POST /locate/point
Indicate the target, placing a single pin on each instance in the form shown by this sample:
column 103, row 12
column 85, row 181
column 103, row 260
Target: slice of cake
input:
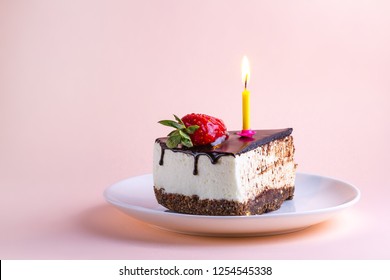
column 238, row 176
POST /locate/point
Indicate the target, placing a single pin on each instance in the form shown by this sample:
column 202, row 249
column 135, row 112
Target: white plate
column 316, row 199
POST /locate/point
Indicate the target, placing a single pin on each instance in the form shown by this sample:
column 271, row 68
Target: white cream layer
column 232, row 178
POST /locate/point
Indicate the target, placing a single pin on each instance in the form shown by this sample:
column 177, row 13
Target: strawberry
column 195, row 130
column 211, row 130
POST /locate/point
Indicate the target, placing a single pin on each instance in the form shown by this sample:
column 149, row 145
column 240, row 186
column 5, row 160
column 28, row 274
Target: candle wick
column 246, row 80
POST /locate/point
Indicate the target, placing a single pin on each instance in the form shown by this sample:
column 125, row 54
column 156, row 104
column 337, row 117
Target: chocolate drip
column 214, row 157
column 161, row 162
column 196, row 159
column 234, row 145
column 195, row 152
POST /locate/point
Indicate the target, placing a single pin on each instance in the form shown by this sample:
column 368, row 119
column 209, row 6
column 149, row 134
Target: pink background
column 83, row 84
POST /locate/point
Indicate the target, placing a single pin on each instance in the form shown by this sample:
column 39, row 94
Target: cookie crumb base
column 267, row 201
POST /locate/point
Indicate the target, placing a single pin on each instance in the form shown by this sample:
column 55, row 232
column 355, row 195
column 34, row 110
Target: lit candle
column 246, row 104
column 246, row 101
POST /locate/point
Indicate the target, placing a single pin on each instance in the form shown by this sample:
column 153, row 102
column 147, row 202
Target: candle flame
column 245, row 70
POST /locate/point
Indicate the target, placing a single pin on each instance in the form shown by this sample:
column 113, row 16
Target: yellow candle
column 246, row 108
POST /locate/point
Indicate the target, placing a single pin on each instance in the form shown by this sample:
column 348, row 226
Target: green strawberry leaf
column 173, row 132
column 173, row 141
column 172, row 124
column 184, row 135
column 186, row 142
column 178, row 119
column 181, row 133
column 185, row 139
column 191, row 129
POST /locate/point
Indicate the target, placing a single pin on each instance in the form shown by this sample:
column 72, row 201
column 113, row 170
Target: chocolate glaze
column 234, row 145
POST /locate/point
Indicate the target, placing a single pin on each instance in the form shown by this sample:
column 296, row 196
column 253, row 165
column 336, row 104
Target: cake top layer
column 235, row 145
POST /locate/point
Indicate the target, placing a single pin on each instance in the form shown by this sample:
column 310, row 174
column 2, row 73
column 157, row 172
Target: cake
column 235, row 176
